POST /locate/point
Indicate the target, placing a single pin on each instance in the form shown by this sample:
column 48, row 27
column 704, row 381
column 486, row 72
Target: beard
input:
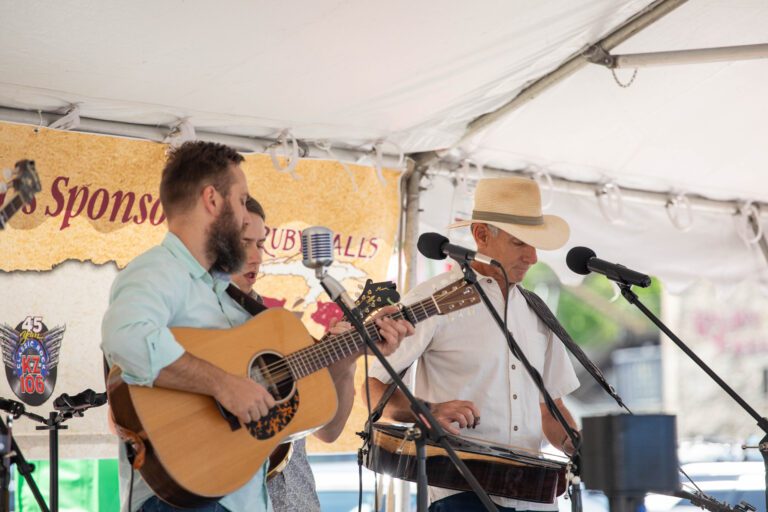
column 225, row 244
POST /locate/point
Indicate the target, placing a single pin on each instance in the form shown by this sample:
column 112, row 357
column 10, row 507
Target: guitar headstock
column 24, row 180
column 375, row 296
column 456, row 296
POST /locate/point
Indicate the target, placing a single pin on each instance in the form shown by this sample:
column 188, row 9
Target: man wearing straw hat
column 466, row 372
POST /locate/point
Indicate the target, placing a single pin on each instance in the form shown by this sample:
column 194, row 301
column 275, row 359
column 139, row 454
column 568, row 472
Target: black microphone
column 12, row 407
column 436, row 247
column 582, row 260
column 81, row 401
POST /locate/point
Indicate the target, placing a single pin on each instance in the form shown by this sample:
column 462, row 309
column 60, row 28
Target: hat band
column 508, row 219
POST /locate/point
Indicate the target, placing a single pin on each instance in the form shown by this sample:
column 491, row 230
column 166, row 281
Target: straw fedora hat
column 514, row 205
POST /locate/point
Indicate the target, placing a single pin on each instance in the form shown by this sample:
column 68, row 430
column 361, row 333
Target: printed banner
column 99, row 203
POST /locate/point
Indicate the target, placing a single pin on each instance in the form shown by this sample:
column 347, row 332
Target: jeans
column 155, row 504
column 464, row 502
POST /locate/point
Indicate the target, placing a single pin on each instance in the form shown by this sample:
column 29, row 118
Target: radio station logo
column 31, row 355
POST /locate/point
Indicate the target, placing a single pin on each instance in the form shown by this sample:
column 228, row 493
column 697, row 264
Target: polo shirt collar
column 176, row 247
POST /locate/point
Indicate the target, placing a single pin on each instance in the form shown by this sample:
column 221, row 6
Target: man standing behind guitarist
column 293, row 488
column 183, row 282
column 465, row 368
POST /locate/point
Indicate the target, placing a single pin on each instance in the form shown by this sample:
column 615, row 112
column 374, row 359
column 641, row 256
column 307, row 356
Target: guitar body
column 192, row 454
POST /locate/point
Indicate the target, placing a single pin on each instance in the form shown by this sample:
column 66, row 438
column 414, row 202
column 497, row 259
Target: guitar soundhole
column 271, row 371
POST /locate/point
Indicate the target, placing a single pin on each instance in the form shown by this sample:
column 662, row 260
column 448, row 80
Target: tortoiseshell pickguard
column 277, row 419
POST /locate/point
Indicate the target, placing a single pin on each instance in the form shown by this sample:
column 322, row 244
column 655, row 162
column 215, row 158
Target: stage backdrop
column 99, row 208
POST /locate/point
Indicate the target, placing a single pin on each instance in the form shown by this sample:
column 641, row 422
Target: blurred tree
column 589, row 314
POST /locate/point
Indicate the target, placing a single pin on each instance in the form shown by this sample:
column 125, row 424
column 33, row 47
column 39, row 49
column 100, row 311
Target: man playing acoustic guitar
column 465, row 368
column 183, row 282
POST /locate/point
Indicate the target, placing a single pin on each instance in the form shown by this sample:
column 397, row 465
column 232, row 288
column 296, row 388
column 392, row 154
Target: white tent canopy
column 412, row 75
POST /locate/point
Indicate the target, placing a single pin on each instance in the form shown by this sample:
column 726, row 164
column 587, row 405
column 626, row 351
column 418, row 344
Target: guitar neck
column 15, row 204
column 335, row 348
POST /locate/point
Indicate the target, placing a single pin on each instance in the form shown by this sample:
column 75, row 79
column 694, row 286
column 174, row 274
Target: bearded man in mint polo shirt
column 182, row 283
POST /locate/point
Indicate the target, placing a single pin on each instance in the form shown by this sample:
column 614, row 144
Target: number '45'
column 33, row 323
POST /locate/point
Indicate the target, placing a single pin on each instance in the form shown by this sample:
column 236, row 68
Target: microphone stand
column 762, row 422
column 471, row 277
column 427, row 425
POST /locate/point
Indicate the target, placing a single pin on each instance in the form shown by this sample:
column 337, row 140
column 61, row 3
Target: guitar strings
column 310, row 359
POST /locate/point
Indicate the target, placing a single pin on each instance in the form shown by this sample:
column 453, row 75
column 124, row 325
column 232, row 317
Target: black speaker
column 629, row 455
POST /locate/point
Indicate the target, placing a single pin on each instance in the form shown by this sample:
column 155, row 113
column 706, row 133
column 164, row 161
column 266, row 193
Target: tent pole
column 693, row 56
column 640, row 21
column 411, row 232
column 763, row 242
column 157, row 134
column 636, row 195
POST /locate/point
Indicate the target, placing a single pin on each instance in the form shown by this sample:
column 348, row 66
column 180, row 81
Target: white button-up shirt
column 464, row 356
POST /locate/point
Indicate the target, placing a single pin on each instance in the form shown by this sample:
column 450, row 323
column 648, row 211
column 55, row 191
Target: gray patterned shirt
column 294, row 488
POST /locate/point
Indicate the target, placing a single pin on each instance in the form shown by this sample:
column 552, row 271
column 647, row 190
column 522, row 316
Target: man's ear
column 212, row 200
column 480, row 233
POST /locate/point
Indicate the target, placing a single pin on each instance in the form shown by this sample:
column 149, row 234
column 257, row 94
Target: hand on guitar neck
column 343, row 371
column 392, row 333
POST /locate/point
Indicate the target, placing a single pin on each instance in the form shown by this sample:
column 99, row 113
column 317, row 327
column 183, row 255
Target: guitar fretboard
column 15, row 204
column 335, row 348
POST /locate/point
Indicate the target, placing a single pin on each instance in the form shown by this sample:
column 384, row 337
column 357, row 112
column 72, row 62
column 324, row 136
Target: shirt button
column 514, row 397
column 513, row 367
column 488, row 281
column 515, row 428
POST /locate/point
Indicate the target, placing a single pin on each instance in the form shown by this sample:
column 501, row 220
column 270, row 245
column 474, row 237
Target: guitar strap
column 550, row 320
column 248, row 303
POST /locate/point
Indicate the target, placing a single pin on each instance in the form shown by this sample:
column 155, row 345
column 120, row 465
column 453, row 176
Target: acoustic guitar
column 191, row 451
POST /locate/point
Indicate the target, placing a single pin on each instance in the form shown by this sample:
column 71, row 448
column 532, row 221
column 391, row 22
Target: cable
column 130, row 489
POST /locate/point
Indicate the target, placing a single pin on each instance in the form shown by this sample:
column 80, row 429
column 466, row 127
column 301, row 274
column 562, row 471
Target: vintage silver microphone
column 317, row 253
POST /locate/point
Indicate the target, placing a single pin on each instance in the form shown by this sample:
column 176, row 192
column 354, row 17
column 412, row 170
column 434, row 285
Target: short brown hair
column 253, row 206
column 191, row 167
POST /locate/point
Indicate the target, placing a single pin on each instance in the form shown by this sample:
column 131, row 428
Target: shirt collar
column 221, row 282
column 490, row 283
column 176, row 247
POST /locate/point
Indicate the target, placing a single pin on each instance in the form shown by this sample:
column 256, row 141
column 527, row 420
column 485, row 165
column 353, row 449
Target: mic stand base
column 427, row 425
column 25, row 469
